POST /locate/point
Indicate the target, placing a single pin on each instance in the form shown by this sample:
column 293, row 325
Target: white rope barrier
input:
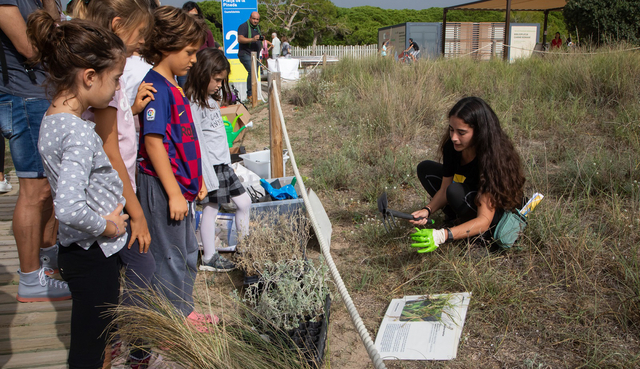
column 326, row 252
column 574, row 53
column 474, row 51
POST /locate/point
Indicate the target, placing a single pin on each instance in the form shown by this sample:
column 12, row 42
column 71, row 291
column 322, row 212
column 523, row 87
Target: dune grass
column 569, row 294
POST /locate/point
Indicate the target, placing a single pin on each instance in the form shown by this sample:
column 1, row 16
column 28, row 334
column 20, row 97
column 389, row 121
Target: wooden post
column 254, row 79
column 507, row 26
column 444, row 31
column 275, row 128
column 324, row 60
column 544, row 34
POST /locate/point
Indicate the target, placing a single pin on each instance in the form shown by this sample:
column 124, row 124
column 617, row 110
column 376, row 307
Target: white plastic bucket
column 259, row 162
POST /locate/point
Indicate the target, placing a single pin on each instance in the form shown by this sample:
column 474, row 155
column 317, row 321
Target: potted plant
column 294, row 296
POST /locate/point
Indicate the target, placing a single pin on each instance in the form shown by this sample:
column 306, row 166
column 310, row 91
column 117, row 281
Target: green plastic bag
column 509, row 228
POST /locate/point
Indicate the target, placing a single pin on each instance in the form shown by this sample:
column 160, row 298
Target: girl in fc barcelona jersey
column 480, row 177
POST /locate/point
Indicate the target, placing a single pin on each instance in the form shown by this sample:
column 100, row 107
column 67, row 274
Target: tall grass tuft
column 234, row 343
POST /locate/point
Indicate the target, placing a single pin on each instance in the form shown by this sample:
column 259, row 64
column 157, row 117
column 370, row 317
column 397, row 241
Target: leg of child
column 174, row 246
column 139, row 269
column 94, row 283
column 208, row 230
column 243, row 203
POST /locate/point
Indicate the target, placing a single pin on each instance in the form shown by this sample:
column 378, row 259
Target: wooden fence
column 357, row 51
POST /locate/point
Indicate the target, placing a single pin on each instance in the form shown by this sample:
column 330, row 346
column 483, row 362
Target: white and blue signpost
column 234, row 13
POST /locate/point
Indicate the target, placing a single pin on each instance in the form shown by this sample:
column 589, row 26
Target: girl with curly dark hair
column 480, row 177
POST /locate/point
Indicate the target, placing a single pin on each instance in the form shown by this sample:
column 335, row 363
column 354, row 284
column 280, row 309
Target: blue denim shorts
column 20, row 121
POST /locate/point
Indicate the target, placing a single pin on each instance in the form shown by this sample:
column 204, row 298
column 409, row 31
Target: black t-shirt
column 415, row 46
column 256, row 46
column 468, row 174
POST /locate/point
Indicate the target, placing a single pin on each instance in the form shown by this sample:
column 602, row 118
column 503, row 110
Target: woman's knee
column 458, row 197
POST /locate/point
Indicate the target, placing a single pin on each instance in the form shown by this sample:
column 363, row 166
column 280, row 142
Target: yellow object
column 531, row 204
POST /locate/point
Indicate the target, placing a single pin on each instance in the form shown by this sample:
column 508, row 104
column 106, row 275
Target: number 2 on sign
column 232, row 49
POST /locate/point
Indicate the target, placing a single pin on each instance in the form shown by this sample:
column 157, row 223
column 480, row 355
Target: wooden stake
column 254, row 79
column 275, row 127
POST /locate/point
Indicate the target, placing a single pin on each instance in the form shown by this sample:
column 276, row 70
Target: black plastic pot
column 311, row 337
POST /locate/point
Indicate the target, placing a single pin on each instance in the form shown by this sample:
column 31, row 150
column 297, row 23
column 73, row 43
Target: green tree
column 212, row 11
column 601, row 21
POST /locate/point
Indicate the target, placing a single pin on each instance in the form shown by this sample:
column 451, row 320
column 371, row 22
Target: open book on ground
column 423, row 327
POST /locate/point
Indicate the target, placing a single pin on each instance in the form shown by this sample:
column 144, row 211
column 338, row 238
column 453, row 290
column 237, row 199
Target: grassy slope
column 569, row 295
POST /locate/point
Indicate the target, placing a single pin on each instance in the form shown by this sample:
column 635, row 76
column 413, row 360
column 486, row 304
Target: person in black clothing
column 249, row 39
column 415, row 50
column 480, row 177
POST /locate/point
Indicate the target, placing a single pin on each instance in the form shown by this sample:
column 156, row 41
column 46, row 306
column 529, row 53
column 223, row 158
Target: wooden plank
column 24, row 332
column 9, row 277
column 13, row 254
column 33, row 359
column 37, row 318
column 30, row 307
column 34, row 344
column 10, row 263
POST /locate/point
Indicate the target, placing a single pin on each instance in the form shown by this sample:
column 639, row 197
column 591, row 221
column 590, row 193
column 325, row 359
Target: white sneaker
column 37, row 287
column 5, row 186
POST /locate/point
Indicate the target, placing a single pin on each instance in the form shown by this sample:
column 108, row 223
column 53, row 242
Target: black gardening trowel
column 389, row 216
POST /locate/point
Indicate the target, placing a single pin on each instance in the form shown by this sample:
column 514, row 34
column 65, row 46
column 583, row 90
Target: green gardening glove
column 427, row 240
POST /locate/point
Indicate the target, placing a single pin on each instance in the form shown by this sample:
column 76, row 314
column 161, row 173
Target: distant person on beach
column 556, row 43
column 383, row 51
column 286, row 47
column 250, row 39
column 413, row 50
column 275, row 41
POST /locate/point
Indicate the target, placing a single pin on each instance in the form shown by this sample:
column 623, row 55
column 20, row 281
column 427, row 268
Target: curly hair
column 211, row 62
column 65, row 48
column 174, row 30
column 499, row 164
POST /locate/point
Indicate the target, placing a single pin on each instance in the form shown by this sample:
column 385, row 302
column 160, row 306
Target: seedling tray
column 311, row 337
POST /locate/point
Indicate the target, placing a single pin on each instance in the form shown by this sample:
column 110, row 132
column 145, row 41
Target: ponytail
column 65, row 48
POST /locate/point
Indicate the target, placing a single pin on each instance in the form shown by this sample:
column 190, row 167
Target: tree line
column 311, row 22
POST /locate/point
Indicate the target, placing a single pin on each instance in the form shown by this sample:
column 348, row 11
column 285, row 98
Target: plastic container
column 259, row 162
column 281, row 206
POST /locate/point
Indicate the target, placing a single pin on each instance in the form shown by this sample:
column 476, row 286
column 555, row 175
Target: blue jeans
column 20, row 121
column 245, row 59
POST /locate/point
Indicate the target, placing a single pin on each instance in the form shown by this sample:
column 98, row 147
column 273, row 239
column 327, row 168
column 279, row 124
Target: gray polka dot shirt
column 83, row 183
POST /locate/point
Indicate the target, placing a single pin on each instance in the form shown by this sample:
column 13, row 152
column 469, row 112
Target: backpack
column 509, row 228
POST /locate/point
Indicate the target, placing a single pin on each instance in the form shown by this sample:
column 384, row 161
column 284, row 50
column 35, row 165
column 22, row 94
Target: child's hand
column 203, row 192
column 116, row 223
column 144, row 95
column 178, row 207
column 140, row 231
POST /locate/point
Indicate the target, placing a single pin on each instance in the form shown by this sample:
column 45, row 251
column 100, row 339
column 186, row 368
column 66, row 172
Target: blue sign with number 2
column 234, row 13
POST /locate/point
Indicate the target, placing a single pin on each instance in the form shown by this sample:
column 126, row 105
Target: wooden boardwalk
column 35, row 334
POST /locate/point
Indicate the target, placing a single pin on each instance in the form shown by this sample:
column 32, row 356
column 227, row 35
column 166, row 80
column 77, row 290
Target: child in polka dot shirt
column 87, row 62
